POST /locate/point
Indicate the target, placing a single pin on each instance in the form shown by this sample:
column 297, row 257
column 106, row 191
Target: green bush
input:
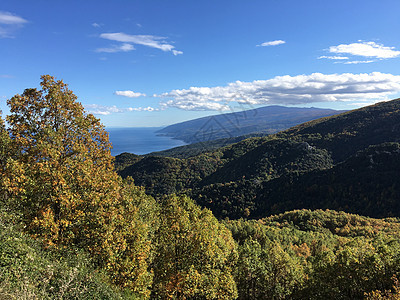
column 29, row 272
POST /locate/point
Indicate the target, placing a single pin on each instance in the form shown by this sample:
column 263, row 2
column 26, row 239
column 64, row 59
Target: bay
column 140, row 140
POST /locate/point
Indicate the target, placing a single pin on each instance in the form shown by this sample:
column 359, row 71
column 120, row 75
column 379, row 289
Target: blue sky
column 154, row 63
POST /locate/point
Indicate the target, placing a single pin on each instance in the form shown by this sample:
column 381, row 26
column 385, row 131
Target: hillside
column 268, row 119
column 27, row 271
column 262, row 175
column 251, row 159
column 367, row 184
column 269, row 160
column 71, row 228
column 321, row 254
column 345, row 134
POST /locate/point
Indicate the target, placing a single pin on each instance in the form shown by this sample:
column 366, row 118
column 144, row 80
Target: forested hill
column 267, row 120
column 263, row 175
column 367, row 183
column 71, row 228
column 349, row 132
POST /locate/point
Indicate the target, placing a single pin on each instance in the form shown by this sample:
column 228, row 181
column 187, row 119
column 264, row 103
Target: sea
column 140, row 140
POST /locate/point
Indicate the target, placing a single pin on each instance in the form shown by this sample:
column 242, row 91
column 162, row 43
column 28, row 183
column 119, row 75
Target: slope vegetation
column 341, row 162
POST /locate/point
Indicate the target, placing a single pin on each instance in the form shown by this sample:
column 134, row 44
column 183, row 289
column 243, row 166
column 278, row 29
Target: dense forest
column 343, row 162
column 229, row 223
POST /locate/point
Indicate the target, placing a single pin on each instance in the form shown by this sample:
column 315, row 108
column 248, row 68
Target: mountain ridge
column 267, row 120
column 263, row 175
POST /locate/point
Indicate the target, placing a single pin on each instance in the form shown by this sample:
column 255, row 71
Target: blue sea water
column 140, row 140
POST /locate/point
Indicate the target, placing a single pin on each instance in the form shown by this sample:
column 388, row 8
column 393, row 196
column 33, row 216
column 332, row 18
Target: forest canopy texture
column 72, row 228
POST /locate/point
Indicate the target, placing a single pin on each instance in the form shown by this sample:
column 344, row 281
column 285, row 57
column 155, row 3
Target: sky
column 153, row 63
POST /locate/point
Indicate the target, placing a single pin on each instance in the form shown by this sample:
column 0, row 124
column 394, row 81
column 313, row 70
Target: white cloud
column 149, row 108
column 287, row 90
column 145, row 40
column 120, row 48
column 176, row 52
column 334, row 57
column 366, row 49
column 11, row 19
column 97, row 25
column 9, row 23
column 194, row 106
column 354, row 62
column 130, row 94
column 272, row 43
column 97, row 109
column 102, row 110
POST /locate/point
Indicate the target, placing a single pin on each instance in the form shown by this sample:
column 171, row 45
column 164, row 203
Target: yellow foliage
column 61, row 177
column 195, row 254
column 387, row 295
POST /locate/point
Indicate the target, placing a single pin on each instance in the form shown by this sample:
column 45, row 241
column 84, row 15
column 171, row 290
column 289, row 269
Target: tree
column 386, row 295
column 195, row 253
column 61, row 178
column 267, row 272
column 5, row 152
column 66, row 156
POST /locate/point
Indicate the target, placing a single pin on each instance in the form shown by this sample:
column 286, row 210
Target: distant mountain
column 344, row 162
column 267, row 120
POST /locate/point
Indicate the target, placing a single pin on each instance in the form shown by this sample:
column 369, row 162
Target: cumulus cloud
column 272, row 43
column 145, row 40
column 286, row 90
column 366, row 49
column 97, row 109
column 9, row 23
column 129, row 94
column 117, row 48
column 97, row 25
column 194, row 106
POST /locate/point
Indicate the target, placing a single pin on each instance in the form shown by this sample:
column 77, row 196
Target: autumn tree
column 195, row 253
column 386, row 295
column 267, row 272
column 4, row 154
column 61, row 178
column 65, row 154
